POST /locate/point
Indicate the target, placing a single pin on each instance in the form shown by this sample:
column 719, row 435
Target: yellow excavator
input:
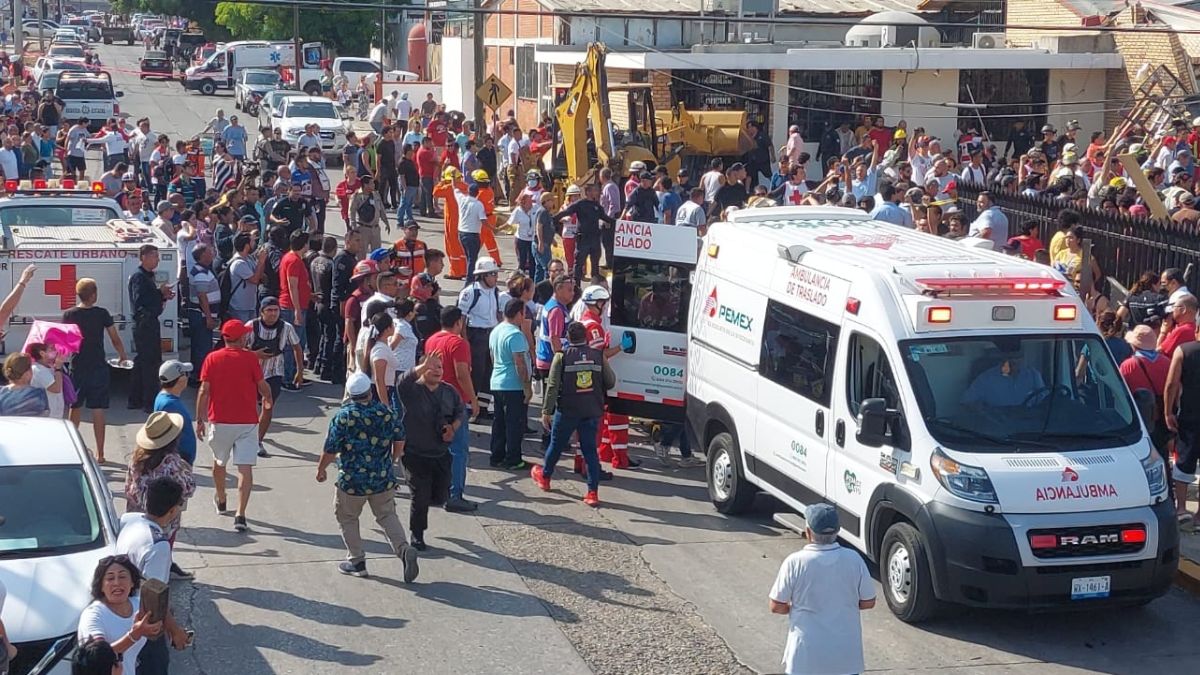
column 654, row 137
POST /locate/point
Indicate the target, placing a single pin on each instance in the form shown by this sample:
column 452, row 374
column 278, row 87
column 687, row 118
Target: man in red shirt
column 613, row 441
column 427, row 169
column 231, row 383
column 1180, row 327
column 452, row 347
column 363, row 280
column 295, row 292
column 438, row 131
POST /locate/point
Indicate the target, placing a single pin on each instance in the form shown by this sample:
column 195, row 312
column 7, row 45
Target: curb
column 1188, row 576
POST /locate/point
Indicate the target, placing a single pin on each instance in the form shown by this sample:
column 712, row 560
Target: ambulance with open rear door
column 957, row 406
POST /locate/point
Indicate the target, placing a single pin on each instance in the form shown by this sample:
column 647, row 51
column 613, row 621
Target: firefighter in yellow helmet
column 487, row 196
column 452, row 182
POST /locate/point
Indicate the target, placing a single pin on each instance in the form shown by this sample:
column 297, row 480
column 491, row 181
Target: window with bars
column 816, row 111
column 1004, row 93
column 526, row 70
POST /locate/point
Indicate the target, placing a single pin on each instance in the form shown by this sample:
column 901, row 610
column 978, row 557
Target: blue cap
column 380, row 254
column 821, row 519
column 269, row 301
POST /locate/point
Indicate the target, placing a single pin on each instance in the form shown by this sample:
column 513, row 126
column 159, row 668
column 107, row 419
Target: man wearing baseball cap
column 173, row 377
column 231, row 384
column 821, row 588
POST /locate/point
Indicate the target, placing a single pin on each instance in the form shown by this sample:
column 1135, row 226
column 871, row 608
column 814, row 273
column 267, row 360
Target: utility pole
column 298, row 47
column 42, row 27
column 479, row 25
column 18, row 30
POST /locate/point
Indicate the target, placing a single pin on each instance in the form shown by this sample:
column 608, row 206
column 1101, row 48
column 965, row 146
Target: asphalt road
column 655, row 581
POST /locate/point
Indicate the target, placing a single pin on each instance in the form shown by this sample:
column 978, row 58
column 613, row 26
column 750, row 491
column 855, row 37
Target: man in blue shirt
column 889, row 210
column 1004, row 385
column 172, row 375
column 366, row 437
column 235, row 139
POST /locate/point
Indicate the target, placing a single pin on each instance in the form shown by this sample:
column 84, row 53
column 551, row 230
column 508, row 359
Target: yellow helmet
column 480, row 176
column 451, row 173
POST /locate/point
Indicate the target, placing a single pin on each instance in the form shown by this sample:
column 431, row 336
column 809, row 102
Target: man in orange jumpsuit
column 613, row 438
column 452, row 182
column 488, row 197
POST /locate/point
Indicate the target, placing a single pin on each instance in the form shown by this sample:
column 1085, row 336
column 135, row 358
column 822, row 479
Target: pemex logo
column 710, row 303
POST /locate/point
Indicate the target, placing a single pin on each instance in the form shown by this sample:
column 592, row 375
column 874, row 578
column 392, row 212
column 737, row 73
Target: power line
column 676, row 16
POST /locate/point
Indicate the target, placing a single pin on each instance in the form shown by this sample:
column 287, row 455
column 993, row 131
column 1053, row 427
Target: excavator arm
column 586, row 100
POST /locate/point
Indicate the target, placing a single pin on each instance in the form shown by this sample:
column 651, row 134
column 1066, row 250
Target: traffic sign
column 493, row 92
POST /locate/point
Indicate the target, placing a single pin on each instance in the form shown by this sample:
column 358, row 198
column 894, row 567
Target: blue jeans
column 541, row 268
column 407, row 199
column 428, row 203
column 470, row 243
column 509, row 419
column 289, row 358
column 560, row 437
column 459, row 454
column 202, row 339
column 145, row 167
column 670, row 432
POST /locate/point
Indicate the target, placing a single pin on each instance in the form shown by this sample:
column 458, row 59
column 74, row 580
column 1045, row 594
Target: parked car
column 155, row 64
column 59, row 521
column 272, row 100
column 253, row 82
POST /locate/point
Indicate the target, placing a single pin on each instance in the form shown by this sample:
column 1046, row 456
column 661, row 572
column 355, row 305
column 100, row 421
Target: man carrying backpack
column 204, row 299
column 269, row 337
column 240, row 279
column 480, row 305
column 367, row 213
column 277, row 246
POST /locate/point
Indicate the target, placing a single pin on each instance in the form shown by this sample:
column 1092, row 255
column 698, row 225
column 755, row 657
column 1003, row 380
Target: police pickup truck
column 88, row 95
column 69, row 232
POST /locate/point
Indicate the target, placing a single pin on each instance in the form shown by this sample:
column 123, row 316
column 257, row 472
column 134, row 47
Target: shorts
column 1187, row 454
column 76, row 163
column 91, row 387
column 276, row 384
column 238, row 440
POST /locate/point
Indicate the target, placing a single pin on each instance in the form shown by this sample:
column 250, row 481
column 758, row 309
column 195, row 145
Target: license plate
column 1083, row 588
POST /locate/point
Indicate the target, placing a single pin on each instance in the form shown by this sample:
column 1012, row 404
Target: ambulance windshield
column 48, row 215
column 1001, row 393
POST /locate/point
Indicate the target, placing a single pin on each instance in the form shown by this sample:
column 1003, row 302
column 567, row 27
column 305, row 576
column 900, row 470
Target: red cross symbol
column 795, row 197
column 64, row 288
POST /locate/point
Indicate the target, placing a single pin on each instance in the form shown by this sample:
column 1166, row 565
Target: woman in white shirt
column 379, row 361
column 404, row 342
column 115, row 613
column 48, row 375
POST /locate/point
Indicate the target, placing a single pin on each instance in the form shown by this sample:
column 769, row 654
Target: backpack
column 477, row 293
column 225, row 283
column 271, row 345
column 365, row 213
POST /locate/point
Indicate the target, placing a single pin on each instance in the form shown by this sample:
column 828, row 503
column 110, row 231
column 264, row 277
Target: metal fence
column 1123, row 246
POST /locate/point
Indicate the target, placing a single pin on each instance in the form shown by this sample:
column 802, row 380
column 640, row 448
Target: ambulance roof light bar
column 990, row 285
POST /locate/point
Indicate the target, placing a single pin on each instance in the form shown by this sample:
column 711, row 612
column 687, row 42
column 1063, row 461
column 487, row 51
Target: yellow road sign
column 493, row 92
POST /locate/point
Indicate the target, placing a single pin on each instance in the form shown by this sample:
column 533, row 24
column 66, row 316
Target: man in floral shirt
column 366, row 437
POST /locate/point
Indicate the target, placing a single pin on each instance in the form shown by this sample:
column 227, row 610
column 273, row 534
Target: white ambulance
column 957, row 406
column 68, row 234
column 651, row 290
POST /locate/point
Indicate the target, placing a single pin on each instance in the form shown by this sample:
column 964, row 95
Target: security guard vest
column 582, row 390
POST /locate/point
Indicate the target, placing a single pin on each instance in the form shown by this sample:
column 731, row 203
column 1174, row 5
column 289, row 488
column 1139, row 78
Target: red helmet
column 364, row 268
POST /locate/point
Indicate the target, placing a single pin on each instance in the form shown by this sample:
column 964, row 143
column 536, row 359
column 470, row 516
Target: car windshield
column 1002, row 393
column 84, row 89
column 48, row 510
column 14, row 215
column 262, row 78
column 311, row 109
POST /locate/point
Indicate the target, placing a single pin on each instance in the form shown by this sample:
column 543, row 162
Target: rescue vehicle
column 958, row 407
column 71, row 231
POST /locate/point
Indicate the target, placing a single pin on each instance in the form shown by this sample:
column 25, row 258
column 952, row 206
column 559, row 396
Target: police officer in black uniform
column 575, row 391
column 147, row 300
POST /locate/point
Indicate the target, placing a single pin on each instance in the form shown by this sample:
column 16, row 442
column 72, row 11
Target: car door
column 793, row 424
column 865, row 370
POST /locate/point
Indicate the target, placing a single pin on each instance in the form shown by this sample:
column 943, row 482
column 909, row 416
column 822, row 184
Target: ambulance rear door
column 651, row 292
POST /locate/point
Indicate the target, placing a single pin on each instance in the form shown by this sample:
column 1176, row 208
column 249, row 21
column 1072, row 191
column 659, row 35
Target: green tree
column 349, row 33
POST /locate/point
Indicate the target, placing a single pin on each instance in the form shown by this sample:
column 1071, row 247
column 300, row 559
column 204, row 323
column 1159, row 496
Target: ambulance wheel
column 904, row 571
column 208, row 88
column 727, row 485
column 313, row 89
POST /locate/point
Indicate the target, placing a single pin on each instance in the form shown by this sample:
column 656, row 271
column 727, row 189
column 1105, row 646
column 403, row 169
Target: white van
column 957, row 406
column 221, row 70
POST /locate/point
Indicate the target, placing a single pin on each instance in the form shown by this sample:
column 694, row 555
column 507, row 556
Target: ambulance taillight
column 1065, row 312
column 968, row 285
column 938, row 315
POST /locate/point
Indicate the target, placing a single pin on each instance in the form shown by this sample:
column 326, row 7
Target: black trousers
column 608, row 238
column 586, row 248
column 143, row 385
column 155, row 657
column 481, row 365
column 312, row 337
column 508, row 426
column 389, row 189
column 429, row 482
column 319, row 211
column 330, row 363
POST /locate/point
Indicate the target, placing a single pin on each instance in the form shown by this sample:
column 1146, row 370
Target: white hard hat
column 594, row 294
column 485, row 265
column 637, row 166
column 574, row 189
column 1196, row 122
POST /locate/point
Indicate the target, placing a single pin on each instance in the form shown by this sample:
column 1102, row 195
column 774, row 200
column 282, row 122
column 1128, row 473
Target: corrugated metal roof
column 692, row 7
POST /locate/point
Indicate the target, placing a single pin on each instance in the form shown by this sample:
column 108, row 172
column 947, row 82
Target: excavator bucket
column 726, row 130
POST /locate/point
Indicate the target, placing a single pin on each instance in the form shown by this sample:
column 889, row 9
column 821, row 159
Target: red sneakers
column 536, row 474
column 591, row 498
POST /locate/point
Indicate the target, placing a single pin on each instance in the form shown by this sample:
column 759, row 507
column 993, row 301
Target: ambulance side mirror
column 873, row 417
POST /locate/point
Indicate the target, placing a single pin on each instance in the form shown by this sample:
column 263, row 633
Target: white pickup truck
column 294, row 113
column 89, row 95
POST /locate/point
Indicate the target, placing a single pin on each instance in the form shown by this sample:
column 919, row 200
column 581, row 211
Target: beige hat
column 1142, row 337
column 159, row 430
